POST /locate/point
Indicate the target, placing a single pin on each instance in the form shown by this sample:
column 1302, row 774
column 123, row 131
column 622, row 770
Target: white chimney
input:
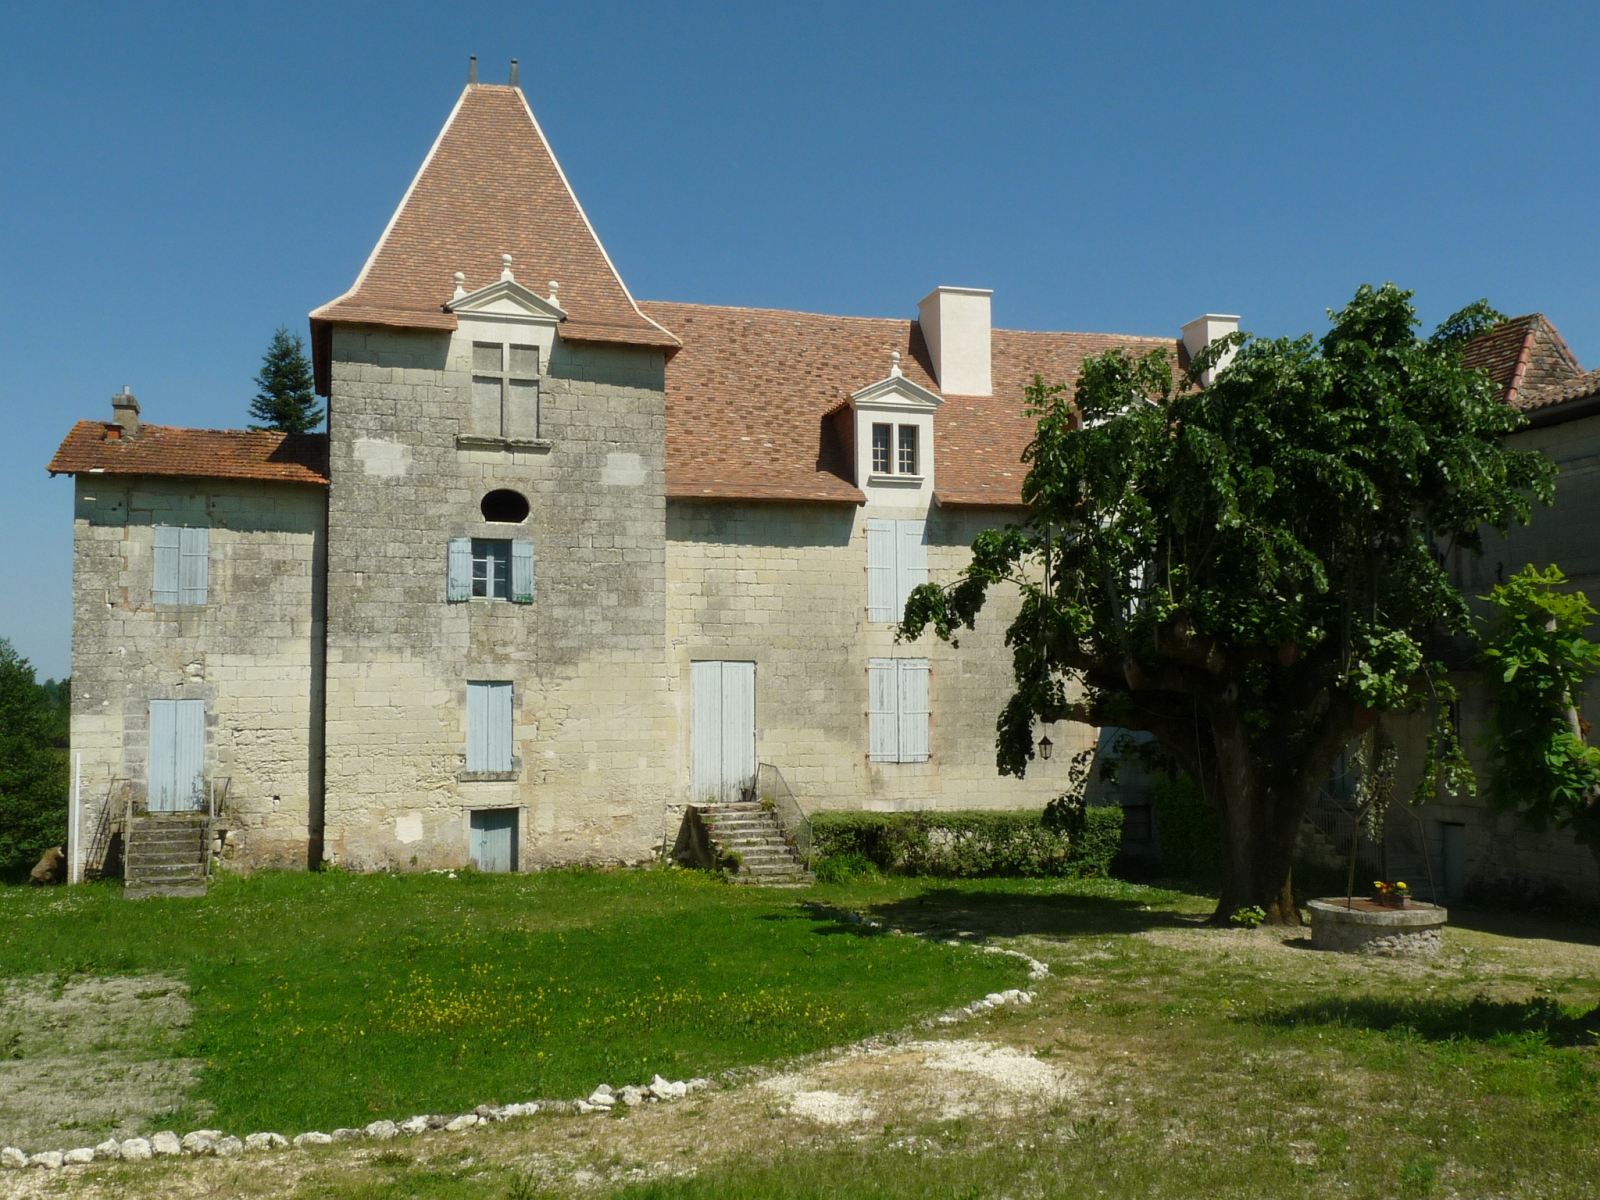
column 955, row 325
column 1205, row 329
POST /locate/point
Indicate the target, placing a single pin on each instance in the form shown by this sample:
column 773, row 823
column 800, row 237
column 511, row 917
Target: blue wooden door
column 722, row 730
column 494, row 839
column 176, row 768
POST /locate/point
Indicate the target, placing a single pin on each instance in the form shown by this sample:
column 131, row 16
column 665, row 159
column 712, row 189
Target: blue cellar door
column 494, row 839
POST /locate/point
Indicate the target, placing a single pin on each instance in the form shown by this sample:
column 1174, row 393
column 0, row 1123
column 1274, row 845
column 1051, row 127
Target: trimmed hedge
column 964, row 844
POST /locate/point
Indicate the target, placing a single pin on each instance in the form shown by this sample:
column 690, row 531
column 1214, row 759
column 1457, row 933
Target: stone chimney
column 1205, row 329
column 125, row 412
column 955, row 324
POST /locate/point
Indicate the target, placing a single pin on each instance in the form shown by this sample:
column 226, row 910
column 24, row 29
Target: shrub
column 1186, row 829
column 964, row 844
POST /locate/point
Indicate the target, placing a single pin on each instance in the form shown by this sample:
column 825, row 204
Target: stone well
column 1364, row 927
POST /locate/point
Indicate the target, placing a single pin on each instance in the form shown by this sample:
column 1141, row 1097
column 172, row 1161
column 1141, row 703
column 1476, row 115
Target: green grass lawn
column 335, row 999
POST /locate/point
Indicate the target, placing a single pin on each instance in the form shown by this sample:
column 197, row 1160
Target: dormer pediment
column 895, row 391
column 508, row 300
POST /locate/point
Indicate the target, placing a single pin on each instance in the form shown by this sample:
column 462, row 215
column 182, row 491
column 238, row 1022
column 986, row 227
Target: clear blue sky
column 179, row 180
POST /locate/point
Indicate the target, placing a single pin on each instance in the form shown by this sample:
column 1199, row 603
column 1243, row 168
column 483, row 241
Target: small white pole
column 74, row 818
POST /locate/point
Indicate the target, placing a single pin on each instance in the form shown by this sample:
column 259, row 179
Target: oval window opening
column 504, row 506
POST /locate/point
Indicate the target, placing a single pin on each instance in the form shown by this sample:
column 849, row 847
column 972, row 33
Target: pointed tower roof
column 489, row 186
column 1525, row 356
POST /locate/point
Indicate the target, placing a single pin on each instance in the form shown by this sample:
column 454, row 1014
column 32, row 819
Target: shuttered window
column 897, row 562
column 489, row 732
column 489, row 568
column 897, row 715
column 182, row 565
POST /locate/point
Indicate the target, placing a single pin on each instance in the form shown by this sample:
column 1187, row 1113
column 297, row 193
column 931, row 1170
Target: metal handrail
column 769, row 787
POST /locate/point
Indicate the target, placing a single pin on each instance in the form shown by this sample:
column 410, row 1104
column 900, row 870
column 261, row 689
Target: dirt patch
column 86, row 1059
column 941, row 1080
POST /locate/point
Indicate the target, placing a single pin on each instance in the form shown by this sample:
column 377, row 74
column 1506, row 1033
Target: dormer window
column 894, row 439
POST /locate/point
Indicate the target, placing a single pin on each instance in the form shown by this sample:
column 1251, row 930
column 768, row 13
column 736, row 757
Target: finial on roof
column 894, row 364
column 514, row 73
column 554, row 288
column 505, row 267
column 461, row 285
column 472, row 69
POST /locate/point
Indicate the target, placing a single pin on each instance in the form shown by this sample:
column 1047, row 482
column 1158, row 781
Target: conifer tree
column 286, row 400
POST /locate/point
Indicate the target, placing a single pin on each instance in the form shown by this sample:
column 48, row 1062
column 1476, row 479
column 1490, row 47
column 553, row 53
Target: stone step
column 165, row 873
column 146, row 858
column 188, row 838
column 754, row 839
column 136, row 891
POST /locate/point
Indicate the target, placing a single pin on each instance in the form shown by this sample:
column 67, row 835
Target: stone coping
column 1415, row 915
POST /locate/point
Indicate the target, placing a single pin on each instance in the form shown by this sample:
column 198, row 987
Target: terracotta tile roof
column 1524, row 356
column 749, row 394
column 1579, row 387
column 490, row 186
column 92, row 446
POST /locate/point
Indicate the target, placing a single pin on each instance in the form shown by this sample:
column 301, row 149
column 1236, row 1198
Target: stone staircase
column 166, row 854
column 752, row 831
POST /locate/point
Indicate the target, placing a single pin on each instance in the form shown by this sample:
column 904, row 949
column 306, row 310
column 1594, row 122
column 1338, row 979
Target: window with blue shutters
column 489, row 728
column 489, row 569
column 897, row 562
column 897, row 714
column 182, row 565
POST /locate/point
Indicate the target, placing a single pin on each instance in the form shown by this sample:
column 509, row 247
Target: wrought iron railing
column 772, row 791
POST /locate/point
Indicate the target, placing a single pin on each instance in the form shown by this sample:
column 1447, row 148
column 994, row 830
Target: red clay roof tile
column 93, row 447
column 490, row 186
column 748, row 393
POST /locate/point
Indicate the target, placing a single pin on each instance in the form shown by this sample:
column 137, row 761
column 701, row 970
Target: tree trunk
column 1260, row 815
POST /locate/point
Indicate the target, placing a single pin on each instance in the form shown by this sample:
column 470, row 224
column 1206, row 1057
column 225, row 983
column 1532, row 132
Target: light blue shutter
column 522, row 572
column 880, row 571
column 499, row 735
column 458, row 582
column 913, row 710
column 169, row 550
column 162, row 765
column 911, row 561
column 477, row 726
column 883, row 696
column 738, row 727
column 190, row 753
column 194, row 565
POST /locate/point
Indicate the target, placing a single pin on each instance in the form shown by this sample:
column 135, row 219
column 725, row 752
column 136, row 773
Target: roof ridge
column 804, row 312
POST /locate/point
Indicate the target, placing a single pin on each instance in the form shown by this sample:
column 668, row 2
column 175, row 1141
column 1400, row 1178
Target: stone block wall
column 252, row 652
column 592, row 711
column 785, row 586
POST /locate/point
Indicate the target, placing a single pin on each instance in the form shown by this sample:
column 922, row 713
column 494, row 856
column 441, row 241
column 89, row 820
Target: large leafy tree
column 1250, row 570
column 33, row 770
column 1538, row 661
column 286, row 399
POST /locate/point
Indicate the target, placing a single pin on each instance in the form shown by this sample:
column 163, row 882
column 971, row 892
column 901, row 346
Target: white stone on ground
column 165, row 1144
column 136, row 1150
column 312, row 1138
column 413, row 1124
column 464, row 1121
column 79, row 1156
column 265, row 1141
column 228, row 1147
column 346, row 1134
column 13, row 1158
column 47, row 1159
column 108, row 1151
column 201, row 1141
column 382, row 1130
